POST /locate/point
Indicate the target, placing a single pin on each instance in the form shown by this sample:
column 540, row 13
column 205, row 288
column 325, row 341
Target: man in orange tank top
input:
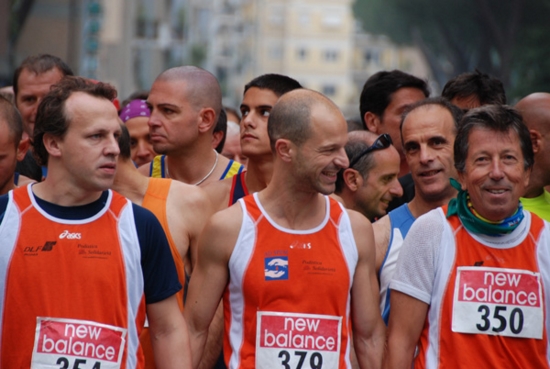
column 182, row 210
column 471, row 289
column 296, row 270
column 80, row 266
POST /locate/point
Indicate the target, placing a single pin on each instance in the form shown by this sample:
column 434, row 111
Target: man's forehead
column 259, row 96
column 432, row 116
column 28, row 76
column 168, row 92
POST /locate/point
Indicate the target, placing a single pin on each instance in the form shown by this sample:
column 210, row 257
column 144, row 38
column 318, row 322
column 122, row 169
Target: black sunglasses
column 382, row 142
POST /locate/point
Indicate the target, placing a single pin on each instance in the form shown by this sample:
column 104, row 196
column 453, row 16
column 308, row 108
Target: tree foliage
column 507, row 39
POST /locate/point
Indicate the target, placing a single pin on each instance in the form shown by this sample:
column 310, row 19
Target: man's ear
column 536, row 139
column 284, row 149
column 23, row 147
column 373, row 122
column 52, row 144
column 208, row 120
column 460, row 179
column 352, row 178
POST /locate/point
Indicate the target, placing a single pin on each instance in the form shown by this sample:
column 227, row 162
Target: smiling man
column 370, row 182
column 471, row 288
column 265, row 253
column 76, row 257
column 428, row 131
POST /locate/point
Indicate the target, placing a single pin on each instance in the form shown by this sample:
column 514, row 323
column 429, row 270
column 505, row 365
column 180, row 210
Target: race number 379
column 297, row 341
column 496, row 301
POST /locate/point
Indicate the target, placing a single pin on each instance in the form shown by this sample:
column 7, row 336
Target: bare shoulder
column 381, row 230
column 223, row 229
column 188, row 195
column 218, row 193
column 362, row 231
column 144, row 169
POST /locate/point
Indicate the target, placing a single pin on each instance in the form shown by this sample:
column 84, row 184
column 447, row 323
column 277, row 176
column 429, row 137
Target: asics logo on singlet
column 70, row 236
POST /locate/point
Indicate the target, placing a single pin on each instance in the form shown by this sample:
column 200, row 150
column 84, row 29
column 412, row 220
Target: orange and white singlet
column 288, row 299
column 155, row 201
column 71, row 291
column 488, row 296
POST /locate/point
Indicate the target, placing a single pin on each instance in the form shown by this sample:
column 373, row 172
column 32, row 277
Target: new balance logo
column 70, row 236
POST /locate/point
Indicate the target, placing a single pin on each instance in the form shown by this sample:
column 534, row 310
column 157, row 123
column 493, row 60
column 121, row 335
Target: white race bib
column 71, row 343
column 498, row 301
column 297, row 341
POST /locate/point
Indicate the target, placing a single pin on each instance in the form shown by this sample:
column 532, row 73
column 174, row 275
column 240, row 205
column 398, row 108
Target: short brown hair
column 51, row 116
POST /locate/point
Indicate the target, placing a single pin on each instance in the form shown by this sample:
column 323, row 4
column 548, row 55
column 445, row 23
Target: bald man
column 181, row 209
column 370, row 182
column 265, row 253
column 185, row 105
column 535, row 110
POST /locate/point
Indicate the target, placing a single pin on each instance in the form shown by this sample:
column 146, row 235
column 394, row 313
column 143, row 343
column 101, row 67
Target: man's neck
column 192, row 166
column 60, row 191
column 129, row 182
column 8, row 186
column 290, row 207
column 419, row 206
column 258, row 173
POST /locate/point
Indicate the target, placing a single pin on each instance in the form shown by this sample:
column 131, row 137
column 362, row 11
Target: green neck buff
column 473, row 222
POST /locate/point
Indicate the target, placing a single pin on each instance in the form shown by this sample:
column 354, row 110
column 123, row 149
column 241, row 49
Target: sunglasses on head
column 382, row 142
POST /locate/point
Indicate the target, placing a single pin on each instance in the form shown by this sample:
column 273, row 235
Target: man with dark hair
column 260, row 95
column 12, row 148
column 471, row 289
column 473, row 89
column 181, row 209
column 535, row 110
column 267, row 253
column 428, row 130
column 185, row 106
column 31, row 82
column 384, row 98
column 370, row 182
column 71, row 231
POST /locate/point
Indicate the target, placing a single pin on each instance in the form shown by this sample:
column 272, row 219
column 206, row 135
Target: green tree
column 503, row 38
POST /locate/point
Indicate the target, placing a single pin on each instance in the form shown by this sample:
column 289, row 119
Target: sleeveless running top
column 489, row 304
column 157, row 168
column 73, row 284
column 288, row 297
column 401, row 220
column 238, row 188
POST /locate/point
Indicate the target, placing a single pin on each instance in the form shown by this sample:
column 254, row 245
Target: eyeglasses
column 382, row 142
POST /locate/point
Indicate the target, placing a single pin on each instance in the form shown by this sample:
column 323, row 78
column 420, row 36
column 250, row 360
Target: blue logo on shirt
column 276, row 268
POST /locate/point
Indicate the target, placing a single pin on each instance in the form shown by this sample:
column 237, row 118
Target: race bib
column 496, row 301
column 297, row 341
column 71, row 343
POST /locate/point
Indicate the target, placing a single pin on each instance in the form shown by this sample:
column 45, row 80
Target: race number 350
column 497, row 301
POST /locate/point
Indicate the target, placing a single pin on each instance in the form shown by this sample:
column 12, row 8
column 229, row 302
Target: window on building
column 329, row 90
column 301, row 53
column 330, row 55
